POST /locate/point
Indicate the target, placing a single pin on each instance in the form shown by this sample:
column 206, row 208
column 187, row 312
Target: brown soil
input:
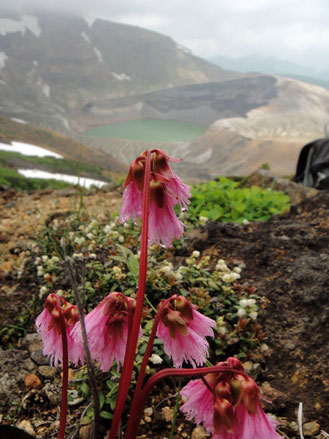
column 286, row 259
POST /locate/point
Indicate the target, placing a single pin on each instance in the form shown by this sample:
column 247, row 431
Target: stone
column 47, row 371
column 167, row 413
column 53, row 393
column 199, row 433
column 39, row 358
column 297, row 192
column 84, row 431
column 248, row 365
column 26, row 426
column 311, row 428
column 33, row 342
column 32, row 381
column 274, row 399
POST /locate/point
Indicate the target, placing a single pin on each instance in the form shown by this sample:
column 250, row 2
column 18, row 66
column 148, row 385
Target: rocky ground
column 286, row 259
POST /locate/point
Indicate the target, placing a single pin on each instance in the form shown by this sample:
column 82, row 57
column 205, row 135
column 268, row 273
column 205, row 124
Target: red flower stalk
column 128, row 363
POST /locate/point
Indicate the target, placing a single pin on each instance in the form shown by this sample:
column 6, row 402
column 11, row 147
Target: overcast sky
column 296, row 30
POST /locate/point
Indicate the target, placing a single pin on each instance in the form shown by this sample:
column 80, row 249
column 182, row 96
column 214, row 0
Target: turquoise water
column 149, row 130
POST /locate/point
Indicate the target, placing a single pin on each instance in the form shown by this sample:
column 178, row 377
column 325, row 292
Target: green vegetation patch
column 149, row 130
column 225, row 200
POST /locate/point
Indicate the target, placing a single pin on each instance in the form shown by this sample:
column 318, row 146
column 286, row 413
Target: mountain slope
column 52, row 66
column 71, row 150
column 253, row 121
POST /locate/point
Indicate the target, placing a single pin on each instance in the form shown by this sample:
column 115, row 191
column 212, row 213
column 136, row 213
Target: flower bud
column 223, row 416
column 184, row 307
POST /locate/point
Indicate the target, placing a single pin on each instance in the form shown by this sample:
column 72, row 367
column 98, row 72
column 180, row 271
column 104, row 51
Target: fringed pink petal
column 192, row 348
column 164, row 225
column 256, row 426
column 199, row 406
column 202, row 325
column 131, row 203
column 52, row 340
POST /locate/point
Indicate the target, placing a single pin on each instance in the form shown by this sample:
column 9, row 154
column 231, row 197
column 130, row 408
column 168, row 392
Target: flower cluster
column 166, row 190
column 248, row 307
column 228, row 404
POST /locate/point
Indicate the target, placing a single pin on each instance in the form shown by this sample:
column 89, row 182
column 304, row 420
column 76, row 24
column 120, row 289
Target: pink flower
column 183, row 331
column 49, row 326
column 107, row 330
column 166, row 190
column 232, row 410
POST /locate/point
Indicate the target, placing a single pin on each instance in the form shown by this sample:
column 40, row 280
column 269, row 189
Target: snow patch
column 45, row 90
column 121, row 76
column 23, row 122
column 98, row 54
column 27, row 149
column 90, row 21
column 74, row 179
column 3, row 59
column 44, row 87
column 8, row 26
column 85, row 37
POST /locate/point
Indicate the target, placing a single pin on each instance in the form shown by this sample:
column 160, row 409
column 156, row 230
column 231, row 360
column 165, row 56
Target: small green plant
column 224, row 200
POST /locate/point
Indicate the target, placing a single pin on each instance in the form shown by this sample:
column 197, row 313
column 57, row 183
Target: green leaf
column 85, row 390
column 106, row 415
column 101, row 399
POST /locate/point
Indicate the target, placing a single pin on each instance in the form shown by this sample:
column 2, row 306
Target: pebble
column 32, row 381
column 199, row 433
column 290, row 345
column 33, row 342
column 84, row 431
column 39, row 358
column 26, row 426
column 167, row 413
column 311, row 428
column 47, row 371
column 53, row 394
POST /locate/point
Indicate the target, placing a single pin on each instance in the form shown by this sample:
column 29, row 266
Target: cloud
column 290, row 29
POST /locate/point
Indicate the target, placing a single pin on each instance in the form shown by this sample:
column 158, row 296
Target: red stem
column 65, row 366
column 146, row 357
column 128, row 363
column 135, row 421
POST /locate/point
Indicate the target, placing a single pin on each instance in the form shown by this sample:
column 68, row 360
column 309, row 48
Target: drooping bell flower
column 228, row 405
column 48, row 324
column 166, row 190
column 183, row 331
column 107, row 330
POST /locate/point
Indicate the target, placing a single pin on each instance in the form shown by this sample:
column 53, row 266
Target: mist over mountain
column 274, row 66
